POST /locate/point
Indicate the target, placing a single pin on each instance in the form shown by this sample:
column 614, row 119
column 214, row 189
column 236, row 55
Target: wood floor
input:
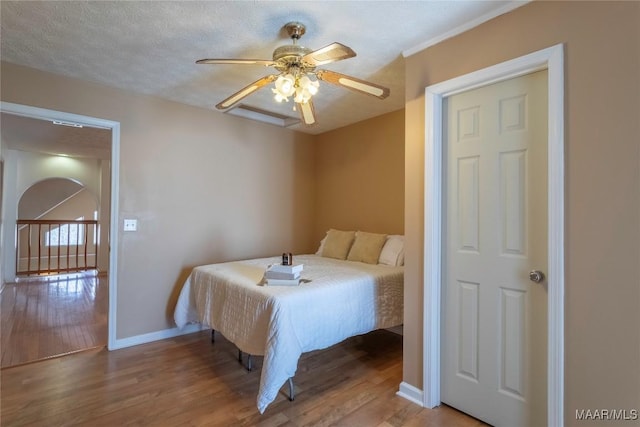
column 187, row 381
column 49, row 316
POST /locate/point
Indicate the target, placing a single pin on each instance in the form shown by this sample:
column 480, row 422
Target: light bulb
column 279, row 97
column 285, row 85
column 304, row 81
column 305, row 88
column 302, row 88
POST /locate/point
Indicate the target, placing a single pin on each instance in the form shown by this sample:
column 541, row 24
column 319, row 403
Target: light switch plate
column 130, row 224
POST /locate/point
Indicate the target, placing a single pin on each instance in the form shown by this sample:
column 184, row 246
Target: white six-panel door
column 494, row 323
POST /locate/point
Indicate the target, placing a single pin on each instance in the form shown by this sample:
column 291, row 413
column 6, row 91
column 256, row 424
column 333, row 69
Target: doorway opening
column 89, row 157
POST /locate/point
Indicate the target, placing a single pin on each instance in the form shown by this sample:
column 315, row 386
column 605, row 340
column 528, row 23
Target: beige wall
column 360, row 177
column 602, row 242
column 205, row 187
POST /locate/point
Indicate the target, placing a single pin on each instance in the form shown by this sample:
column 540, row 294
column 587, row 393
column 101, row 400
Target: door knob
column 536, row 276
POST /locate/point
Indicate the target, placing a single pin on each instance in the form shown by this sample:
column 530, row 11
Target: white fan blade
column 353, row 83
column 307, row 112
column 246, row 91
column 264, row 62
column 331, row 53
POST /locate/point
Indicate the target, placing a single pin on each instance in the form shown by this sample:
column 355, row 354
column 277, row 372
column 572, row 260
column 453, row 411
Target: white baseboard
column 411, row 393
column 155, row 336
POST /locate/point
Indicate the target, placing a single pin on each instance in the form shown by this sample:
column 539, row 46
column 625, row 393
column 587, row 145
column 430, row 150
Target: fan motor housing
column 290, row 56
column 290, row 53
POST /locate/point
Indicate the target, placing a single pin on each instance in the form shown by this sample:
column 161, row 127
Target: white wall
column 9, row 215
column 34, row 167
column 104, row 209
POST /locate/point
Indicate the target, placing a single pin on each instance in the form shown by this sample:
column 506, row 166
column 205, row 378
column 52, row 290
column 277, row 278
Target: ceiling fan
column 297, row 69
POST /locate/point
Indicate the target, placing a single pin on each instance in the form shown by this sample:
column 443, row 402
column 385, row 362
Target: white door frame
column 45, row 114
column 551, row 59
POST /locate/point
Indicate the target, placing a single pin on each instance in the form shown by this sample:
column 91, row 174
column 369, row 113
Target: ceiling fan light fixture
column 285, row 86
column 305, row 89
column 296, row 66
column 308, row 85
column 302, row 88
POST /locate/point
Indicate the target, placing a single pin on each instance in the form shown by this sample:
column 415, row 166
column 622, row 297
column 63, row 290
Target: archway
column 57, row 228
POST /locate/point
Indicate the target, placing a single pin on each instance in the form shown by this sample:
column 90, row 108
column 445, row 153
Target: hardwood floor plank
column 48, row 316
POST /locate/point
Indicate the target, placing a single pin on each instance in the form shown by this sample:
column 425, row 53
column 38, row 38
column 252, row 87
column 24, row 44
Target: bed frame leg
column 249, row 366
column 291, row 395
column 213, row 336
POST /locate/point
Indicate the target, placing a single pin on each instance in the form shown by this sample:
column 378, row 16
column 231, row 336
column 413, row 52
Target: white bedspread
column 342, row 299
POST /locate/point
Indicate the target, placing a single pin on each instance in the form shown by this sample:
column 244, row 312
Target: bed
column 335, row 300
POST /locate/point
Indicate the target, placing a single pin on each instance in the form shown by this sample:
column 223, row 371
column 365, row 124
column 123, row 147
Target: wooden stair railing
column 55, row 246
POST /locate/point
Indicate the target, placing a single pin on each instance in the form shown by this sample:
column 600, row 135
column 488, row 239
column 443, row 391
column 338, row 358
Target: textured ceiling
column 151, row 47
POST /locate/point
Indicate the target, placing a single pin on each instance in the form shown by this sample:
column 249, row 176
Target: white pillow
column 392, row 251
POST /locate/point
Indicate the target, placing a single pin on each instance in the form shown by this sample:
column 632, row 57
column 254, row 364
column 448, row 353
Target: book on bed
column 283, row 282
column 270, row 274
column 291, row 269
